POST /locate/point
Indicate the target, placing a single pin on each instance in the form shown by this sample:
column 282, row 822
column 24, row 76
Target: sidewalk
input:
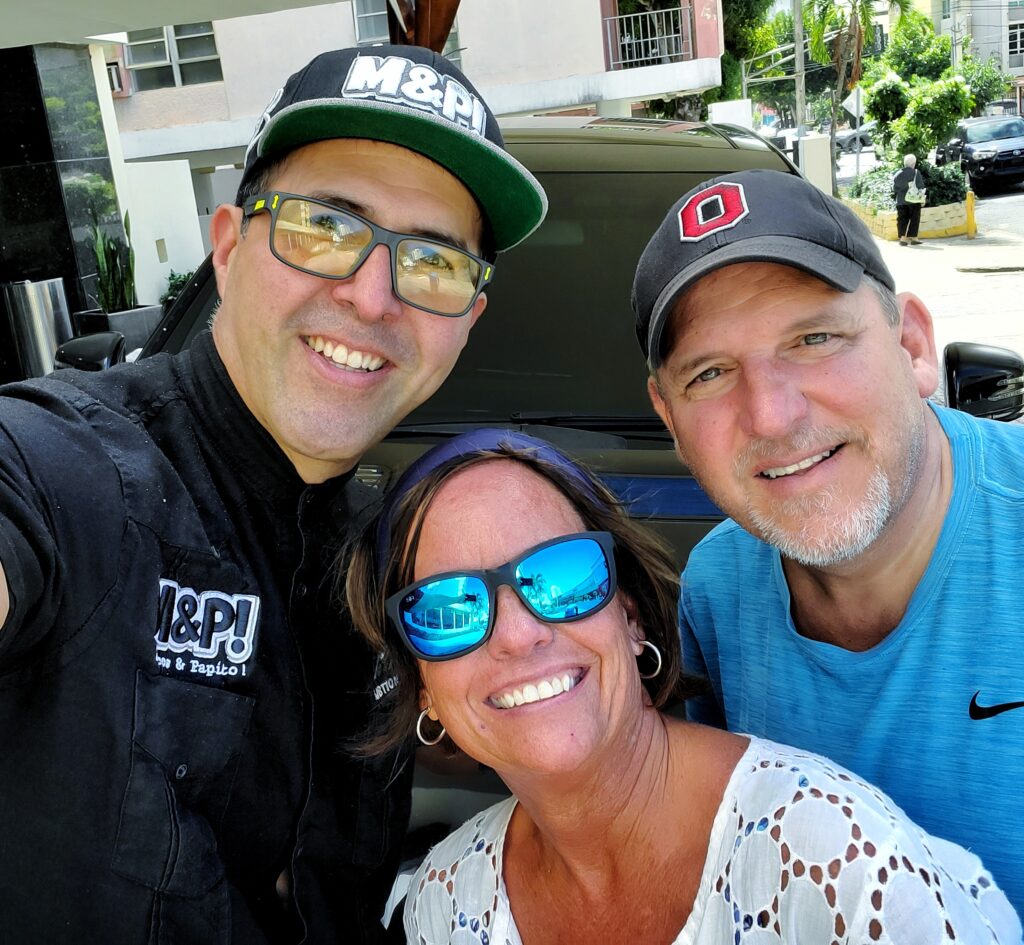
column 973, row 288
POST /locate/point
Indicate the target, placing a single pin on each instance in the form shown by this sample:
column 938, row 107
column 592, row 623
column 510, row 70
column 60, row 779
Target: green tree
column 986, row 78
column 915, row 51
column 933, row 111
column 780, row 96
column 843, row 52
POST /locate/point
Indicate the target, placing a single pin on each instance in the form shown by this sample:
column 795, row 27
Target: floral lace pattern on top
column 801, row 851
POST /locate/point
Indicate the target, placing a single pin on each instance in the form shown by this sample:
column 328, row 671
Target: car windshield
column 994, row 130
column 581, row 261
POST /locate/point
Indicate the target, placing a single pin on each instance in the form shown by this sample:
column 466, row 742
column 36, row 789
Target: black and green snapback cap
column 412, row 97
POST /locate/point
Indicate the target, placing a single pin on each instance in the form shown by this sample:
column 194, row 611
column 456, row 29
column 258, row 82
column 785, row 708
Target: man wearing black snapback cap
column 861, row 602
column 178, row 692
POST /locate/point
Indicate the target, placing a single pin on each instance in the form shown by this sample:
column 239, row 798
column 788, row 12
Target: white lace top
column 801, row 851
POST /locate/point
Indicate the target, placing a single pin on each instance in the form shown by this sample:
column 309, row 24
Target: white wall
column 529, row 40
column 158, row 199
column 162, row 206
column 165, row 108
column 736, row 112
column 259, row 52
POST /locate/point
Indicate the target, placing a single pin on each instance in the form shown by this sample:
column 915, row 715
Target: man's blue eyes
column 810, row 340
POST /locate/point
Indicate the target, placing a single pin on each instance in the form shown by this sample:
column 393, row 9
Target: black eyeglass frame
column 271, row 202
column 504, row 575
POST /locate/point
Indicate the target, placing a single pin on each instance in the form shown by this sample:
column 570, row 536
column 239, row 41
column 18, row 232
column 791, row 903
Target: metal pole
column 798, row 63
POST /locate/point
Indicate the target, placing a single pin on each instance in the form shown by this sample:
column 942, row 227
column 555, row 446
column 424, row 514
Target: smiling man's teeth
column 534, row 692
column 340, row 355
column 797, row 467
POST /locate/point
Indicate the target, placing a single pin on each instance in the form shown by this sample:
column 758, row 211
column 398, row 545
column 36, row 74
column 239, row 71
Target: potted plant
column 115, row 291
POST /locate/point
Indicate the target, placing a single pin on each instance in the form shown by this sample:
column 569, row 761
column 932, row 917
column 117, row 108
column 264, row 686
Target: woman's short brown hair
column 646, row 574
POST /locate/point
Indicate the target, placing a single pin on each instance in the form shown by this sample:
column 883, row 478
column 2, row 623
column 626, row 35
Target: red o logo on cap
column 715, row 208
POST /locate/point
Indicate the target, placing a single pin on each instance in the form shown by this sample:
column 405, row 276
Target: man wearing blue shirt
column 862, row 600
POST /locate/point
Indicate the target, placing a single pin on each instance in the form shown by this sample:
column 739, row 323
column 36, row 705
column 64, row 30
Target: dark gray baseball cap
column 750, row 216
column 412, row 97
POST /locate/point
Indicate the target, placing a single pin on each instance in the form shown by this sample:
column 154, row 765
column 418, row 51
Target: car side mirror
column 95, row 352
column 954, row 143
column 984, row 381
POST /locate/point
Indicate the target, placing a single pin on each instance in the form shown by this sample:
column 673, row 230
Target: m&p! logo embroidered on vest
column 209, row 633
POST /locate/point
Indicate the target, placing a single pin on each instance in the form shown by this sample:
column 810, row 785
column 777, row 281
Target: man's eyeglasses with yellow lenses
column 331, row 242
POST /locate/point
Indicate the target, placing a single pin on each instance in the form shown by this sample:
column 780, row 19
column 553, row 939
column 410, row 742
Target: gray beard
column 850, row 530
column 834, row 531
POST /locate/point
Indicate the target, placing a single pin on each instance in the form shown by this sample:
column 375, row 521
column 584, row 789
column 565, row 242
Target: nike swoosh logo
column 988, row 711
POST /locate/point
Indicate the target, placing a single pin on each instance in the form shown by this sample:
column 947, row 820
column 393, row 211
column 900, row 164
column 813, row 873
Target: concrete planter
column 136, row 324
column 948, row 220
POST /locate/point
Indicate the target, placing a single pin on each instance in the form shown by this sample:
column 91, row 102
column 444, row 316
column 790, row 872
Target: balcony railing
column 649, row 39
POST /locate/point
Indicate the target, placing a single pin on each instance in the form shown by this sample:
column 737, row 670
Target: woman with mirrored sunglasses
column 533, row 624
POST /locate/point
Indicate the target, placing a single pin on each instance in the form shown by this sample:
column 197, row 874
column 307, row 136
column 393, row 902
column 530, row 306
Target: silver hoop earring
column 423, row 715
column 657, row 656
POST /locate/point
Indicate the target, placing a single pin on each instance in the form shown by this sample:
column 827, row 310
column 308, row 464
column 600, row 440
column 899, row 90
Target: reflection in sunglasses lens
column 565, row 580
column 447, row 616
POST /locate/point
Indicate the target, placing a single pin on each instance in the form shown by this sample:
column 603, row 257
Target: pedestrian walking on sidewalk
column 908, row 189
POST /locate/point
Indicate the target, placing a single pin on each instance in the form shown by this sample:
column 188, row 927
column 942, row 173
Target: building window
column 947, row 10
column 372, row 29
column 1016, row 46
column 452, row 50
column 371, row 22
column 168, row 56
column 114, row 77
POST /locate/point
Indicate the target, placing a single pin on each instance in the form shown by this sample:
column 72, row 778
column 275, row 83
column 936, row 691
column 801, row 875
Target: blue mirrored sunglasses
column 449, row 615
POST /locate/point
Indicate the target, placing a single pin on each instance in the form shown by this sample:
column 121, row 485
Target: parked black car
column 990, row 151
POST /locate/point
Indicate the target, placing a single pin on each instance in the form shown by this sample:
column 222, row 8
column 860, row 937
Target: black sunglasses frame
column 271, row 201
column 504, row 575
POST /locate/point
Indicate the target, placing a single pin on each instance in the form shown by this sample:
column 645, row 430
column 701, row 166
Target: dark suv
column 556, row 353
column 990, row 151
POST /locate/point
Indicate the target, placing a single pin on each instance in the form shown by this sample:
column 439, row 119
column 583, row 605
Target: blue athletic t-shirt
column 900, row 714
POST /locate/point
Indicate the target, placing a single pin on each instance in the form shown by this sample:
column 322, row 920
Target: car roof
column 587, row 144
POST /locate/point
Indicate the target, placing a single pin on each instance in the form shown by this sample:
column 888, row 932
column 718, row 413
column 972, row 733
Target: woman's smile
column 540, row 690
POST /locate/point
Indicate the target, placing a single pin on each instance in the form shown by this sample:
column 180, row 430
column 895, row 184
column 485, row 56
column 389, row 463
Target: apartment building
column 193, row 92
column 989, row 28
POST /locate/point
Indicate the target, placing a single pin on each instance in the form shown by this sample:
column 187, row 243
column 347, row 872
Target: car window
column 558, row 334
column 993, row 131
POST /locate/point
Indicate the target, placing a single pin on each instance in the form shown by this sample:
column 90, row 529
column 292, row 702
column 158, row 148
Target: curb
column 989, row 268
column 936, row 222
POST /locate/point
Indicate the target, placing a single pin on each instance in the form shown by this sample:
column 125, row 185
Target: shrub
column 176, row 281
column 874, row 188
column 945, row 184
column 115, row 269
column 887, row 99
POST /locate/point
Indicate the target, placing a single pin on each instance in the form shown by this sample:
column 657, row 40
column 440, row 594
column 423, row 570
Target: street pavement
column 974, row 288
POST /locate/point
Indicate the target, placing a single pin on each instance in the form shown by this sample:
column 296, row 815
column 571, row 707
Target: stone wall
column 948, row 220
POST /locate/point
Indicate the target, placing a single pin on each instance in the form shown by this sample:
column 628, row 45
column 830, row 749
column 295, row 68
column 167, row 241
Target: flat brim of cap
column 509, row 195
column 834, row 268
